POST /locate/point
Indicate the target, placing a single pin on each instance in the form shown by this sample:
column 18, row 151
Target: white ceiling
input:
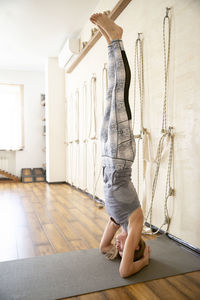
column 31, row 30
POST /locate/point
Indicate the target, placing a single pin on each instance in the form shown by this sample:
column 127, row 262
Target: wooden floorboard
column 40, row 219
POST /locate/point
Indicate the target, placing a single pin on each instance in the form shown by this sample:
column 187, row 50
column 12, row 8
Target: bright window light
column 11, row 117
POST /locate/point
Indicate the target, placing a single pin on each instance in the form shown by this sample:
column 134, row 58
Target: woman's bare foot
column 112, row 30
column 104, row 34
column 92, row 19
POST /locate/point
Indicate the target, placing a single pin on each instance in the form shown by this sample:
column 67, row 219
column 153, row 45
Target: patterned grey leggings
column 117, row 140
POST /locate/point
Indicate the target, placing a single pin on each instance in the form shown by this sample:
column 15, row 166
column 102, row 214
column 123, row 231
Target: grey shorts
column 121, row 198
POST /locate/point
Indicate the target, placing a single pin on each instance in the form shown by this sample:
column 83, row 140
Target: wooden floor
column 41, row 219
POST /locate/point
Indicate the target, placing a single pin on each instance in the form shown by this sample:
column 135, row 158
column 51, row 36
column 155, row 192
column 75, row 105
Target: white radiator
column 4, row 163
column 7, row 161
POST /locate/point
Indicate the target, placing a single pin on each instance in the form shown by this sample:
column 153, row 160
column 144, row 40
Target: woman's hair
column 112, row 253
column 139, row 253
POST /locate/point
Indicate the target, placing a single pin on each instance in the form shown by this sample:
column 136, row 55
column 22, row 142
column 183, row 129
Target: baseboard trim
column 96, row 199
column 55, row 182
column 184, row 244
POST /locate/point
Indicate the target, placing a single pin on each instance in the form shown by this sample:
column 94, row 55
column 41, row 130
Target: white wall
column 55, row 121
column 183, row 106
column 32, row 156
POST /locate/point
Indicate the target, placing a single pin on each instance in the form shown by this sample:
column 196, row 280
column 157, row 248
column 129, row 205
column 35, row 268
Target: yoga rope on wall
column 104, row 85
column 104, row 91
column 66, row 138
column 76, row 137
column 92, row 129
column 143, row 136
column 85, row 131
column 93, row 104
column 70, row 138
column 73, row 138
column 168, row 135
column 73, row 146
column 93, row 135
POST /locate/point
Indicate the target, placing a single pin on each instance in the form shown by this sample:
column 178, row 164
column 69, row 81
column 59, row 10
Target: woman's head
column 120, row 243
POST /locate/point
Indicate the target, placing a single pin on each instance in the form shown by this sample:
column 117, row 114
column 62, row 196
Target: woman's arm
column 109, row 232
column 128, row 266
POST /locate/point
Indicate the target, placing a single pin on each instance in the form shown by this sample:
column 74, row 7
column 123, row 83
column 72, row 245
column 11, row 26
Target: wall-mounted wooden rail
column 116, row 11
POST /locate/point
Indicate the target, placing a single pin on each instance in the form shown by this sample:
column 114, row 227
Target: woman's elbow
column 102, row 249
column 123, row 272
column 126, row 271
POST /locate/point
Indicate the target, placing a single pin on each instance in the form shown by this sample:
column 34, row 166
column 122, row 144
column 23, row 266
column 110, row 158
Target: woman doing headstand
column 118, row 153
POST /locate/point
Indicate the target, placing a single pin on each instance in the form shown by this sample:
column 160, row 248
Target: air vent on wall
column 71, row 47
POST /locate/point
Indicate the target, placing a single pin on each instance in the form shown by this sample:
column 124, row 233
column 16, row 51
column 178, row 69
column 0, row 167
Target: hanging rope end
column 171, row 191
column 139, row 35
column 167, row 11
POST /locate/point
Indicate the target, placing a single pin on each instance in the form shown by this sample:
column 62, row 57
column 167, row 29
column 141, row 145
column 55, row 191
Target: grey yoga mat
column 74, row 273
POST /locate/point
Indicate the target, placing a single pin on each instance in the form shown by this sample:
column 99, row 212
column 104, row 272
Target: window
column 11, row 117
